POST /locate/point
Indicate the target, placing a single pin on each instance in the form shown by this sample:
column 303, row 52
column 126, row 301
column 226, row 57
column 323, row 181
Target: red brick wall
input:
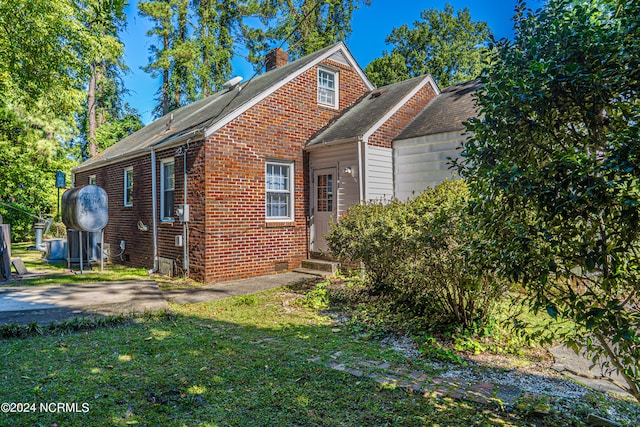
column 123, row 220
column 392, row 127
column 241, row 242
column 229, row 236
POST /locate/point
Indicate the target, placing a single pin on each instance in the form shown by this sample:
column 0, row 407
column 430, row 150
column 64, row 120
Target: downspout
column 154, row 213
column 185, row 224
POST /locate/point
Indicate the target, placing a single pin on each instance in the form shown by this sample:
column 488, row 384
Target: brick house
column 245, row 182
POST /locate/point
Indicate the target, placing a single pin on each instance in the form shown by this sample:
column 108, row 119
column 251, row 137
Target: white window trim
column 92, row 178
column 336, row 81
column 162, row 189
column 126, row 181
column 291, row 166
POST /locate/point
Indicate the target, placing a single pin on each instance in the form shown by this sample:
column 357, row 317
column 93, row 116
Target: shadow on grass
column 212, row 365
column 246, row 361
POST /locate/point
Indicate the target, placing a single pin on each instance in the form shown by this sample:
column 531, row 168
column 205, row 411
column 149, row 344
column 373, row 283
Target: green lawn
column 246, row 361
column 58, row 273
column 240, row 362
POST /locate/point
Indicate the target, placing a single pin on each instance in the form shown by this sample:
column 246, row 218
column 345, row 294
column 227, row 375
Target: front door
column 324, row 185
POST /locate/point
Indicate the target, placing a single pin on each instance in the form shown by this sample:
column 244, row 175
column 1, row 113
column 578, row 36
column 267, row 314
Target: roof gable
column 446, row 112
column 207, row 115
column 371, row 111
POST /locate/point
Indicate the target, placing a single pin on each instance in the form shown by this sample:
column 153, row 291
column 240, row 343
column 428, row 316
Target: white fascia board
column 427, row 79
column 253, row 102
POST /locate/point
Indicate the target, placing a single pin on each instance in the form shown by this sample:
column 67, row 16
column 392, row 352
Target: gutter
column 332, row 143
column 128, row 155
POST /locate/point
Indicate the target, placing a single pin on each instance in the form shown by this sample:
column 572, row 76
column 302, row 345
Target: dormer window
column 328, row 87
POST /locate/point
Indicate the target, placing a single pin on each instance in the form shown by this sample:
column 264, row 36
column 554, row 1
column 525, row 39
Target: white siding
column 379, row 173
column 423, row 162
column 339, row 157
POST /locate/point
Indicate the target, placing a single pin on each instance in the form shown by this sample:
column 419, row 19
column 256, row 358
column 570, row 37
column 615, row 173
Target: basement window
column 279, row 191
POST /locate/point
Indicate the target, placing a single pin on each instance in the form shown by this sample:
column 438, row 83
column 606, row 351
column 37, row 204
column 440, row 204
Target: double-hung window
column 167, row 189
column 279, row 191
column 327, row 87
column 128, row 187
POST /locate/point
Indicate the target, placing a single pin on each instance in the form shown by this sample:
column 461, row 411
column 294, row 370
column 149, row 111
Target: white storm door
column 325, row 201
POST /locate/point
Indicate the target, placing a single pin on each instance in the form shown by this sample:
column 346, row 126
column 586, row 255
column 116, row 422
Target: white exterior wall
column 339, row 157
column 423, row 162
column 379, row 173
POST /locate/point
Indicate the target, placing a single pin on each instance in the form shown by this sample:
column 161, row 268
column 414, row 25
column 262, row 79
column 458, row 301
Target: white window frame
column 335, row 89
column 128, row 186
column 290, row 191
column 93, row 180
column 163, row 190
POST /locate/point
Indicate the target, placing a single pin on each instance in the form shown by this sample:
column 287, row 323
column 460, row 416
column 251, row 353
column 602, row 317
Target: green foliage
column 451, row 48
column 305, row 25
column 20, row 219
column 553, row 170
column 415, row 255
column 317, row 298
column 193, row 46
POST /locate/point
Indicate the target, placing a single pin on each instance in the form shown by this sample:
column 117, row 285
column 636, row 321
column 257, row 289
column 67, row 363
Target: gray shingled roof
column 446, row 112
column 366, row 112
column 199, row 115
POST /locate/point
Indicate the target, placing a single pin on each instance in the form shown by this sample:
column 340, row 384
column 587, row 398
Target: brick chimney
column 276, row 58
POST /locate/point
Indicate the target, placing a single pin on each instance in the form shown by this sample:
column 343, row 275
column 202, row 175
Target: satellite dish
column 230, row 84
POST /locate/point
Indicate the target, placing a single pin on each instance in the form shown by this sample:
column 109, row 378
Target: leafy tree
column 554, row 169
column 43, row 46
column 196, row 47
column 306, row 25
column 449, row 47
column 160, row 13
column 103, row 19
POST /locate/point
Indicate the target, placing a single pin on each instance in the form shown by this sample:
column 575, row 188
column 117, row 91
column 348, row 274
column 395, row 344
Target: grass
column 245, row 361
column 56, row 274
column 237, row 362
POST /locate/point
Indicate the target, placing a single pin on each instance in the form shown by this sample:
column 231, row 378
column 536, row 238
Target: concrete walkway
column 579, row 368
column 46, row 304
column 234, row 288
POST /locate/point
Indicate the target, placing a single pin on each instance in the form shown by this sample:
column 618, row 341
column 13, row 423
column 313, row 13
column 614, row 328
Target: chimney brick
column 276, row 58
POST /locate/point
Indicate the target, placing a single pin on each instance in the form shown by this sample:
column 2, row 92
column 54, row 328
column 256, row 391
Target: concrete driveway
column 45, row 304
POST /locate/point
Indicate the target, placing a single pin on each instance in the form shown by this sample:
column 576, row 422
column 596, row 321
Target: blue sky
column 370, row 24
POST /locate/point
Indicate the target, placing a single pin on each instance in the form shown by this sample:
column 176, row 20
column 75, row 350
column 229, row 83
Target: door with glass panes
column 325, row 200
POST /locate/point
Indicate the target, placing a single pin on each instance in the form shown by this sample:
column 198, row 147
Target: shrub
column 415, row 254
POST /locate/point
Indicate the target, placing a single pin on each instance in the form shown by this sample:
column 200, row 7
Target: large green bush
column 415, row 254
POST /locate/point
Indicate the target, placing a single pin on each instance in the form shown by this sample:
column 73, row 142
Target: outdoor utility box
column 56, row 250
column 90, row 246
column 183, row 213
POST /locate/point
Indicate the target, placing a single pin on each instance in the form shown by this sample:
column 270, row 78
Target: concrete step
column 317, row 273
column 321, row 265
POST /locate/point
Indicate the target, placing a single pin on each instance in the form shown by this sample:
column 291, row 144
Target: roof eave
column 164, row 144
column 335, row 142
